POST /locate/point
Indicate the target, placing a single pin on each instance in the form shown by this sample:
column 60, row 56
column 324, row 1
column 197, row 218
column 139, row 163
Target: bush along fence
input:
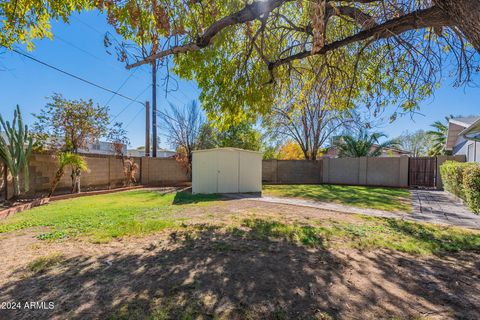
column 463, row 181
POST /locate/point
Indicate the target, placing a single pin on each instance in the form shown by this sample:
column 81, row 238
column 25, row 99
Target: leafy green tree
column 23, row 21
column 364, row 144
column 66, row 159
column 269, row 152
column 417, row 143
column 438, row 137
column 309, row 110
column 240, row 51
column 70, row 125
column 15, row 150
column 242, row 135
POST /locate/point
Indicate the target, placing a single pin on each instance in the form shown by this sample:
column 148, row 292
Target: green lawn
column 141, row 212
column 103, row 217
column 368, row 233
column 388, row 199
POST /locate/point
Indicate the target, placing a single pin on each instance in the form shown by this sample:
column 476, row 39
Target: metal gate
column 422, row 172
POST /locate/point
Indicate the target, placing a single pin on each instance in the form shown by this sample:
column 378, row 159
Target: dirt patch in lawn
column 216, row 273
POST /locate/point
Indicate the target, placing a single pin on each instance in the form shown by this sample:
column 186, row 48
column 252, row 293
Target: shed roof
column 226, row 149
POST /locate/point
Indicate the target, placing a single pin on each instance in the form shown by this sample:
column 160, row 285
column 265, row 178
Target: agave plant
column 364, row 144
column 15, row 150
column 67, row 159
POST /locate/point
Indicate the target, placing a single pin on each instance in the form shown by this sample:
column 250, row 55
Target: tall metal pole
column 147, row 129
column 154, row 108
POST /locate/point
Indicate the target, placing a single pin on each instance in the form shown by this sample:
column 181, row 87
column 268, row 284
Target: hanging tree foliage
column 382, row 51
column 386, row 52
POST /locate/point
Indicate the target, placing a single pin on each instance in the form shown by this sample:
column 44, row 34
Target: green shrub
column 463, row 180
column 471, row 185
column 452, row 177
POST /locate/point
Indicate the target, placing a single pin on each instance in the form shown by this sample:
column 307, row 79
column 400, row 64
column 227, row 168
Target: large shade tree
column 309, row 109
column 392, row 51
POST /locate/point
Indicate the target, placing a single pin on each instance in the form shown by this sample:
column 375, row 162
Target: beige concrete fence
column 385, row 171
column 292, row 171
column 105, row 172
column 388, row 172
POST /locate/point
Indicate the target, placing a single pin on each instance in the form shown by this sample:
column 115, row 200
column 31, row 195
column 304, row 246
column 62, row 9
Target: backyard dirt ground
column 218, row 274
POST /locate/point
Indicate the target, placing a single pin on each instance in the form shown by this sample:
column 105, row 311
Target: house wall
column 461, row 149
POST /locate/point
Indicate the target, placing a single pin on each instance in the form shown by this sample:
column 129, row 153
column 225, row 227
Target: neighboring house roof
column 462, row 126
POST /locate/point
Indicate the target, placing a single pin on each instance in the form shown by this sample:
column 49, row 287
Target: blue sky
column 78, row 48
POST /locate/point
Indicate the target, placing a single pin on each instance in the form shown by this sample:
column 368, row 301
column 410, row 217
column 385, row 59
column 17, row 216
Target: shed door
column 227, row 166
column 204, row 175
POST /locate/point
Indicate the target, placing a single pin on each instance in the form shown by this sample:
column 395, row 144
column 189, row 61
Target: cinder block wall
column 388, row 172
column 161, row 172
column 292, row 171
column 104, row 172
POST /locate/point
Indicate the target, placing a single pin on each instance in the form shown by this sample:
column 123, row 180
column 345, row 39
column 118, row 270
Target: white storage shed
column 226, row 170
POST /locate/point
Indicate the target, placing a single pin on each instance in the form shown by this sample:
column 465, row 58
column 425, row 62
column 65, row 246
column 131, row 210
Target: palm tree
column 439, row 137
column 67, row 159
column 364, row 144
column 15, row 150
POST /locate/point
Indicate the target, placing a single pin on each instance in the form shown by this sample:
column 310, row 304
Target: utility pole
column 154, row 108
column 147, row 129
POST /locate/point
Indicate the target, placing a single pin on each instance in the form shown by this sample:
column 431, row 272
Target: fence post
column 144, row 171
column 325, row 168
column 362, row 170
column 403, row 171
column 275, row 178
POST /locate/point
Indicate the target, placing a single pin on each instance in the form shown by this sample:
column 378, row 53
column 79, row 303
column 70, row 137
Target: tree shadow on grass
column 244, row 273
column 189, row 198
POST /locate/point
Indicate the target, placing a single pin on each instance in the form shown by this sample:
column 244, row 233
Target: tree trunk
column 466, row 16
column 76, row 181
column 56, row 180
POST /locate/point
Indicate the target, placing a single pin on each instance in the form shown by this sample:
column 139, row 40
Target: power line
column 119, row 88
column 91, row 54
column 130, row 103
column 74, row 76
column 135, row 117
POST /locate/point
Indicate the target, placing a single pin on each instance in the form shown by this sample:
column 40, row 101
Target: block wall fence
column 106, row 172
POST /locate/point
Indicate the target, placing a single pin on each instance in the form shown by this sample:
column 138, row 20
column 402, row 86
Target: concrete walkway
column 440, row 207
column 428, row 206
